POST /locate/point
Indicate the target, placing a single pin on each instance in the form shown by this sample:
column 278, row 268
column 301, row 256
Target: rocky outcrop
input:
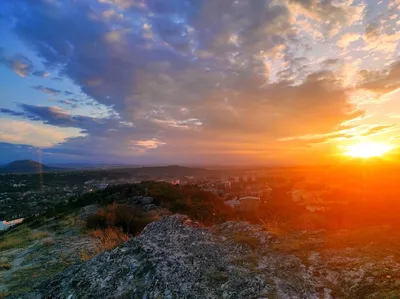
column 177, row 258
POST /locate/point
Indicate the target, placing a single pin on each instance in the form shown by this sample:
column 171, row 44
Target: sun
column 367, row 149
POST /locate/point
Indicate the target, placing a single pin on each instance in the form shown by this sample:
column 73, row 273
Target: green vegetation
column 190, row 200
column 22, row 278
column 16, row 238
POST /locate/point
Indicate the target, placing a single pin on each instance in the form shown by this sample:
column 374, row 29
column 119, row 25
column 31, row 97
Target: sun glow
column 367, row 149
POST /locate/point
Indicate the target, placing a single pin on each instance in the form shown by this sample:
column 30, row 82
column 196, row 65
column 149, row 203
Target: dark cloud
column 40, row 74
column 331, row 62
column 333, row 15
column 47, row 90
column 381, row 81
column 58, row 117
column 191, row 74
column 18, row 114
column 372, row 30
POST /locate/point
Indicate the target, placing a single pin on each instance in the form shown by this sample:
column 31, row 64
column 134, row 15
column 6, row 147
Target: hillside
column 156, row 240
column 178, row 258
column 27, row 166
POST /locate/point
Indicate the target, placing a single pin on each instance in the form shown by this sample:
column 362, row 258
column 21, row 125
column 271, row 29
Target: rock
column 168, row 260
column 178, row 258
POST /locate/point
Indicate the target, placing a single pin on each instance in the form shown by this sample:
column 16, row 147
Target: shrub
column 5, row 266
column 96, row 221
column 125, row 217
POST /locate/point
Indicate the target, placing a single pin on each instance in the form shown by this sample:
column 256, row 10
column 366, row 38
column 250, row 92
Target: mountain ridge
column 27, row 166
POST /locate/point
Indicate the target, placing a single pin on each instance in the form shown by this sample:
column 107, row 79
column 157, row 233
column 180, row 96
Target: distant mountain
column 27, row 166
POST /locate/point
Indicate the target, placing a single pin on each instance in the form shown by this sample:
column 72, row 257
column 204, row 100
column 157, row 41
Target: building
column 176, row 182
column 252, row 176
column 227, row 185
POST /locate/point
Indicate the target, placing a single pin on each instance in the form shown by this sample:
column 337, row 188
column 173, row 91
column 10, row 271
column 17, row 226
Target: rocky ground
column 31, row 255
column 177, row 258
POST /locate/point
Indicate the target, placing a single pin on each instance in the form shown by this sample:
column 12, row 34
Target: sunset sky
column 197, row 81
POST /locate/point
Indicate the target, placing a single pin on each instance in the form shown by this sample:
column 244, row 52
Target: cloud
column 378, row 129
column 41, row 74
column 372, row 30
column 333, row 14
column 21, row 65
column 147, row 144
column 348, row 134
column 73, row 103
column 56, row 116
column 22, row 132
column 383, row 81
column 347, row 39
column 17, row 114
column 381, row 39
column 47, row 90
column 198, row 77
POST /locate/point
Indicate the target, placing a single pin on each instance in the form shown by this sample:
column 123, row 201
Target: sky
column 197, row 81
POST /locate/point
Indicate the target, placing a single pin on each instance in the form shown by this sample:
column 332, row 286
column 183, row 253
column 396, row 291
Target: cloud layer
column 194, row 80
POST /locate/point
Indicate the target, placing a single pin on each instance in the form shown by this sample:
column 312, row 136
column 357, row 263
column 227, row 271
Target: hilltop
column 27, row 166
column 157, row 240
column 176, row 257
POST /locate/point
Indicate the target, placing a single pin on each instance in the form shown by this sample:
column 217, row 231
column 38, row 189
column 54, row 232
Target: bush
column 125, row 217
column 96, row 221
column 5, row 266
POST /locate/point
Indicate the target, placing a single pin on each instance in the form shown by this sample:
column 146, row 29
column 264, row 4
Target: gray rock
column 169, row 260
column 178, row 258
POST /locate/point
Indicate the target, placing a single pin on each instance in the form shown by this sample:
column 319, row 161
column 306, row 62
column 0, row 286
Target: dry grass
column 48, row 242
column 17, row 238
column 109, row 238
column 105, row 239
column 85, row 256
column 38, row 235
